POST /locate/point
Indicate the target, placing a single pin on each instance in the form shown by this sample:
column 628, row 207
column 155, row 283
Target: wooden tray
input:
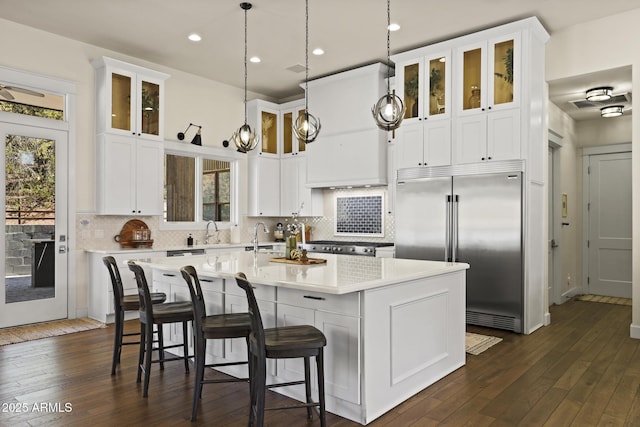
column 126, row 237
column 297, row 262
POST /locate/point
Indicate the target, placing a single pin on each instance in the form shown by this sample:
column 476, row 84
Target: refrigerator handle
column 447, row 239
column 454, row 230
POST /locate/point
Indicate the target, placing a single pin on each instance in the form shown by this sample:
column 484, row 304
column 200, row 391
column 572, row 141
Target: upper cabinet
column 130, row 99
column 289, row 113
column 467, row 98
column 264, row 119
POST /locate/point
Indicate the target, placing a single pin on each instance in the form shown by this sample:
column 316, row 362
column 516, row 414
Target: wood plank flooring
column 582, row 370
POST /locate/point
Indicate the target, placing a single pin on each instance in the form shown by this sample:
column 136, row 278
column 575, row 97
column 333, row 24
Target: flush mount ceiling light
column 306, row 127
column 244, row 138
column 611, row 111
column 388, row 112
column 598, row 94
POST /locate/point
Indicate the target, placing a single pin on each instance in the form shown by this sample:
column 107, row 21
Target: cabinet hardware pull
column 312, row 297
column 206, row 280
column 168, row 274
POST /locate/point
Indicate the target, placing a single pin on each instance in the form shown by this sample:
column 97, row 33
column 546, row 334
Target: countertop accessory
column 245, row 138
column 388, row 112
column 197, row 139
column 134, row 234
column 299, row 261
column 306, row 127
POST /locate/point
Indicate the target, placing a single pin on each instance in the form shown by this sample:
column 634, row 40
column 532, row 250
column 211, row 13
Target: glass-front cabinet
column 264, row 119
column 489, row 75
column 130, row 99
column 424, row 85
column 291, row 145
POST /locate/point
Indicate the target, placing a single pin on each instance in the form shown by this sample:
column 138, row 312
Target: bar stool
column 157, row 315
column 208, row 327
column 122, row 303
column 281, row 343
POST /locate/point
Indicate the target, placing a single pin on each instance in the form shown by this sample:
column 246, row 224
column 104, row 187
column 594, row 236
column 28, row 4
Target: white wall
column 587, row 48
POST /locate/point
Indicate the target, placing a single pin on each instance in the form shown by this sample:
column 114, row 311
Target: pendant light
column 388, row 112
column 245, row 138
column 306, row 127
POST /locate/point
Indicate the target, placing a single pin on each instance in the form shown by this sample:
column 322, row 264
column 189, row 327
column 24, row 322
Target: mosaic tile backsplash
column 360, row 215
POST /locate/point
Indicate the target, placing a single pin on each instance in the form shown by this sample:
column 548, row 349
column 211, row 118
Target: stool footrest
column 285, row 384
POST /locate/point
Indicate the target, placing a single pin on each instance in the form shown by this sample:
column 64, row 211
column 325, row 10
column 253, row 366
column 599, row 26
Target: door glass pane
column 20, row 100
column 120, row 102
column 301, row 144
column 472, row 73
column 287, row 133
column 30, row 218
column 179, row 188
column 503, row 73
column 411, row 90
column 269, row 133
column 150, row 108
column 437, row 83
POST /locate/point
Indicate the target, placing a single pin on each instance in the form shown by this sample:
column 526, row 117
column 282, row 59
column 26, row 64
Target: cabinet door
column 149, row 107
column 264, row 186
column 116, row 182
column 341, row 355
column 437, row 86
column 290, row 186
column 472, row 76
column 470, row 139
column 288, row 315
column 504, row 75
column 410, row 88
column 409, row 146
column 503, row 135
column 149, row 177
column 437, row 142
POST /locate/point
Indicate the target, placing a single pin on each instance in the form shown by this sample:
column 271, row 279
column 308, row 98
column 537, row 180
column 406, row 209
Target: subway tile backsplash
column 360, row 215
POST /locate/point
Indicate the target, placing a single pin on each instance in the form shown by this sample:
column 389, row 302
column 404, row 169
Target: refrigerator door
column 489, row 239
column 421, row 218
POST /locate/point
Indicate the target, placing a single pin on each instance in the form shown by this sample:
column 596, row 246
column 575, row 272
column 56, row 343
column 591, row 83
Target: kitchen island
column 393, row 326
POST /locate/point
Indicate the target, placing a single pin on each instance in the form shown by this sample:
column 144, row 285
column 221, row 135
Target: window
column 20, row 100
column 197, row 189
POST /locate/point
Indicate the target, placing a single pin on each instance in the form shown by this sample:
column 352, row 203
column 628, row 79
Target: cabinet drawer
column 262, row 292
column 169, row 277
column 345, row 304
column 213, row 284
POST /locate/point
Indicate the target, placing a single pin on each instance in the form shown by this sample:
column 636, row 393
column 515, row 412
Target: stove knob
column 367, row 250
column 352, row 249
column 325, row 248
column 339, row 249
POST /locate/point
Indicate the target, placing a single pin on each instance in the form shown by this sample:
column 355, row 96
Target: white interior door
column 34, row 175
column 609, row 251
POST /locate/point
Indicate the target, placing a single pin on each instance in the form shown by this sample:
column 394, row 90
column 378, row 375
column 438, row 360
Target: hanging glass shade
column 388, row 112
column 307, row 126
column 244, row 138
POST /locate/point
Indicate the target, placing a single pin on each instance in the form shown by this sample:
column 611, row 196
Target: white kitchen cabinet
column 101, row 290
column 130, row 99
column 425, row 143
column 296, row 197
column 264, row 119
column 338, row 317
column 130, row 175
column 264, row 186
column 486, row 137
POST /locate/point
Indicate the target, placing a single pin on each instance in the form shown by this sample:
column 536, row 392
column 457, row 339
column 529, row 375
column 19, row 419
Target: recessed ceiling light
column 195, row 37
column 255, row 59
column 394, row 27
column 318, row 51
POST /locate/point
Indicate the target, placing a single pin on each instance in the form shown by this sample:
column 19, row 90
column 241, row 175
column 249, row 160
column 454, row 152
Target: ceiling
column 352, row 33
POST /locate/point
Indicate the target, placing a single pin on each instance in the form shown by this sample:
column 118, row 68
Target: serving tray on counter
column 298, row 262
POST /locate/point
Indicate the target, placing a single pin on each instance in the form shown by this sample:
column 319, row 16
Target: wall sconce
column 611, row 111
column 598, row 94
column 197, row 139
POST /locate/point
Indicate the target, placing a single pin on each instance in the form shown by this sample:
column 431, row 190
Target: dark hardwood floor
column 582, row 370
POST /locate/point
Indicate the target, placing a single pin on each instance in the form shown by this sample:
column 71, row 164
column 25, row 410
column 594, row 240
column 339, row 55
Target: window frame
column 200, row 153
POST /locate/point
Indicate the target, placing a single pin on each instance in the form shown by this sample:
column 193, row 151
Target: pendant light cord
column 306, row 58
column 245, row 67
column 388, row 44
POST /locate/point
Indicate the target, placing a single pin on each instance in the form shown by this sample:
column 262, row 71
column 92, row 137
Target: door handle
column 554, row 244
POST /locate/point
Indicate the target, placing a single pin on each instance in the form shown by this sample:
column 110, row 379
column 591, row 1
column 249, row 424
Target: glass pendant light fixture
column 306, row 127
column 388, row 112
column 245, row 138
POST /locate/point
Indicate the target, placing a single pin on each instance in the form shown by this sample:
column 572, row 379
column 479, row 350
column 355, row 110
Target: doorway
column 609, row 224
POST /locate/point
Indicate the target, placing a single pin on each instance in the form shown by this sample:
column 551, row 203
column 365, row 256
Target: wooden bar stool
column 157, row 315
column 209, row 327
column 281, row 343
column 121, row 304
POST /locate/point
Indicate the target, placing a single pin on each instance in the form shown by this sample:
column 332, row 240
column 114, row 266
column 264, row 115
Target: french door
column 34, row 175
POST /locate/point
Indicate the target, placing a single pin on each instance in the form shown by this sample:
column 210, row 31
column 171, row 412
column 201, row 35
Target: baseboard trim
column 634, row 331
column 547, row 319
column 570, row 293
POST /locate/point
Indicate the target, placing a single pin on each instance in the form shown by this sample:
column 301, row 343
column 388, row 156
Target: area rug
column 476, row 343
column 606, row 300
column 47, row 329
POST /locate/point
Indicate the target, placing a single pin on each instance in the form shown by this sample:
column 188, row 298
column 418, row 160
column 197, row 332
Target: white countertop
column 340, row 275
column 230, row 246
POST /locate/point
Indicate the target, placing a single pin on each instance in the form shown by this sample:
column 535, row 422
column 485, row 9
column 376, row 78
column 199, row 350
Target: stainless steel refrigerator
column 469, row 214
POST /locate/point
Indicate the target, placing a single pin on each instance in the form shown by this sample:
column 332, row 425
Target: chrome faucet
column 255, row 235
column 208, row 236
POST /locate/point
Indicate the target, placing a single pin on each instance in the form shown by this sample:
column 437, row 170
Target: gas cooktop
column 344, row 247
